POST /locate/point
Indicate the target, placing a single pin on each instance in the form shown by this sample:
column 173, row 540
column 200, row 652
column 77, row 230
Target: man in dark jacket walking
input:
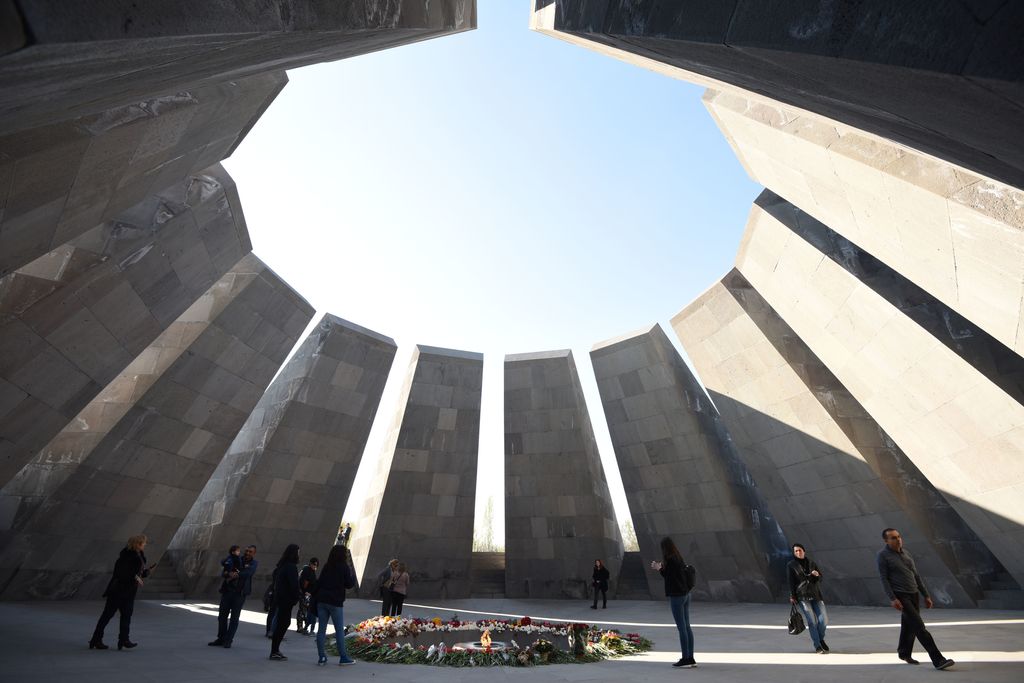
column 904, row 586
column 235, row 588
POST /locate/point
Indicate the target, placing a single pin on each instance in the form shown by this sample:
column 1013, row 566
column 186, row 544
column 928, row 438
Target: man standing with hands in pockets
column 904, row 587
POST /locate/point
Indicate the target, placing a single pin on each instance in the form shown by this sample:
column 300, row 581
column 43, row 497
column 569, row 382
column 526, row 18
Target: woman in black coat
column 805, row 592
column 286, row 595
column 129, row 571
column 336, row 577
column 600, row 583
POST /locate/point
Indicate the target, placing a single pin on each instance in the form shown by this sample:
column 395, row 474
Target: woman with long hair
column 599, row 581
column 677, row 588
column 129, row 571
column 399, row 589
column 805, row 592
column 335, row 577
column 286, row 595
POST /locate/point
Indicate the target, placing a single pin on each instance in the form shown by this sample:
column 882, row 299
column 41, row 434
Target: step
column 989, row 603
column 998, row 585
column 1008, row 599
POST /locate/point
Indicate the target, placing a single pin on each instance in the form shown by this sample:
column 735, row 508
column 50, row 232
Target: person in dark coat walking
column 904, row 587
column 677, row 588
column 129, row 571
column 805, row 592
column 235, row 587
column 336, row 577
column 600, row 583
column 286, row 595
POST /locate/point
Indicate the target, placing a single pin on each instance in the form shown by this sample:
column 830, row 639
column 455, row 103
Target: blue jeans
column 816, row 618
column 680, row 605
column 335, row 613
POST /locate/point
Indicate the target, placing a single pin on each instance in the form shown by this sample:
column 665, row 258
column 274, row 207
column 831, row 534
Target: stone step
column 1002, row 599
column 998, row 585
column 488, row 596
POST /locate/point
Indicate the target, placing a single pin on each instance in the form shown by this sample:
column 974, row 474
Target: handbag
column 796, row 621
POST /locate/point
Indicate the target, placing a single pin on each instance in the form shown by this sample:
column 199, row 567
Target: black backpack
column 690, row 576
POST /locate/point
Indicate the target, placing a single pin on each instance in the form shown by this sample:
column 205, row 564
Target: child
column 232, row 564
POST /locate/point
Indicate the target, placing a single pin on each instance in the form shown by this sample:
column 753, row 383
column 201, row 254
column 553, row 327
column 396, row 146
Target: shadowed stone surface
column 85, row 57
column 558, row 511
column 57, row 181
column 833, row 477
column 74, row 319
column 682, row 476
column 58, row 459
column 288, row 473
column 146, row 473
column 947, row 78
column 955, row 234
column 962, row 430
column 419, row 507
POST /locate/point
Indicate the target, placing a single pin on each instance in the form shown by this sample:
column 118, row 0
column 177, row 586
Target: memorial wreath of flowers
column 374, row 640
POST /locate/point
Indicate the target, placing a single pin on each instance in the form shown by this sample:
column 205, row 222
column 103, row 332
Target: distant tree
column 483, row 540
column 629, row 541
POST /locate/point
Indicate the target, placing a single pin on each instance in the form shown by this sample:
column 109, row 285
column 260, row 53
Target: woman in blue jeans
column 330, row 599
column 805, row 592
column 677, row 588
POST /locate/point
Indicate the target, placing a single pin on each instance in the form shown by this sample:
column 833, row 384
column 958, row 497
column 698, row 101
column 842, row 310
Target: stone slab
column 559, row 516
column 73, row 320
column 682, row 475
column 287, row 475
column 420, row 506
column 148, row 470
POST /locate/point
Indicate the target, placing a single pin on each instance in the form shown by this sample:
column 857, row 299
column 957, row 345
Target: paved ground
column 42, row 642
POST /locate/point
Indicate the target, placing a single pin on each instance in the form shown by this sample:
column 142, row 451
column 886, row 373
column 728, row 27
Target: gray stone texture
column 682, row 475
column 148, row 470
column 287, row 476
column 559, row 516
column 76, row 317
column 80, row 58
column 60, row 180
column 420, row 506
column 831, row 474
column 946, row 78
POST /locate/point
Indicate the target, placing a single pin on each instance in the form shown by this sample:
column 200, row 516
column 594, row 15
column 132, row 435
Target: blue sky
column 497, row 191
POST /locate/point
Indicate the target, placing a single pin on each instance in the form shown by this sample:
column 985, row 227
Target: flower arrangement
column 373, row 640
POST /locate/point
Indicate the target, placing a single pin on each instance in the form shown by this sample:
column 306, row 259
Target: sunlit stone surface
column 956, row 423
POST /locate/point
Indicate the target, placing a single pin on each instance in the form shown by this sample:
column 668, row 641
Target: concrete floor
column 46, row 641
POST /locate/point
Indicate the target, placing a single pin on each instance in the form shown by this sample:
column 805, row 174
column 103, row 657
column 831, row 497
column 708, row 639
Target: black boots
column 126, row 644
column 97, row 644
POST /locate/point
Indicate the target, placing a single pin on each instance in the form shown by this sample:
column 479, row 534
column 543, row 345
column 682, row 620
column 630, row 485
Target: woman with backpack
column 678, row 583
column 286, row 595
column 330, row 600
column 805, row 593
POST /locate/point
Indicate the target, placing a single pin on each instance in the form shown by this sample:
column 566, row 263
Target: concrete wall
column 558, row 511
column 957, row 235
column 947, row 80
column 77, row 317
column 60, row 180
column 832, row 476
column 682, row 475
column 287, row 476
column 958, row 426
column 148, row 470
column 80, row 58
column 420, row 506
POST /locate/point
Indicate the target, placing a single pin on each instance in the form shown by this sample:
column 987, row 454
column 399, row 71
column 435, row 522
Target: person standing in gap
column 399, row 589
column 805, row 592
column 600, row 583
column 904, row 587
column 677, row 587
column 384, row 583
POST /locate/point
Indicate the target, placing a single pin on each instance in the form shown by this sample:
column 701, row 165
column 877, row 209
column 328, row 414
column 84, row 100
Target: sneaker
column 690, row 663
column 216, row 643
column 227, row 644
column 910, row 660
column 278, row 657
column 346, row 662
column 819, row 651
column 944, row 664
column 322, row 661
column 681, row 663
column 824, row 646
